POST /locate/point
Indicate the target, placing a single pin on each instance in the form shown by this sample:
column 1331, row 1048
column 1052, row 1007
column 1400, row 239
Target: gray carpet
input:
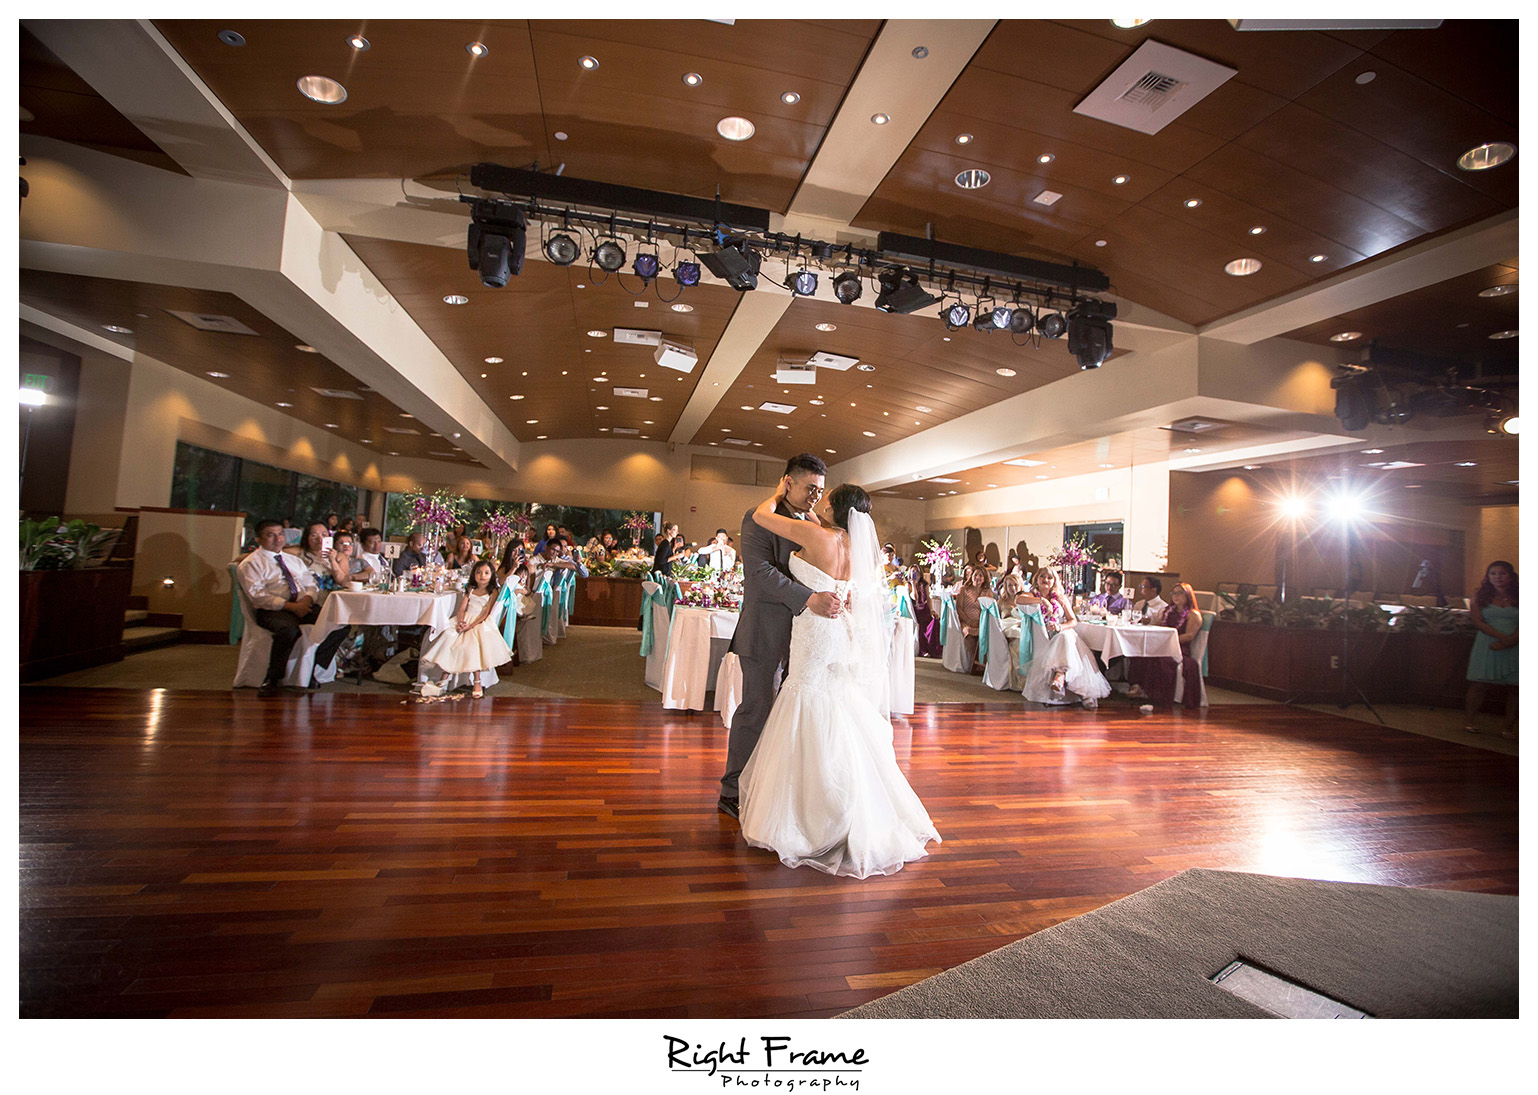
column 1392, row 952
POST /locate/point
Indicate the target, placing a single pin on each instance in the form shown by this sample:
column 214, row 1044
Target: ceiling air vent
column 402, row 429
column 1153, row 87
column 632, row 393
column 1193, row 425
column 227, row 325
column 735, row 441
column 339, row 393
column 626, row 431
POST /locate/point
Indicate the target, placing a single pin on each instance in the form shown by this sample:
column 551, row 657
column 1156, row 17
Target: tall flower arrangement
column 638, row 525
column 497, row 528
column 938, row 557
column 436, row 513
column 1070, row 560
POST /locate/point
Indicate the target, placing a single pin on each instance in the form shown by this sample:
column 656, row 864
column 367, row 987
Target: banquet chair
column 999, row 671
column 520, row 630
column 547, row 610
column 728, row 688
column 1033, row 637
column 953, row 648
column 558, row 615
column 1199, row 655
column 256, row 648
column 661, row 621
column 1206, row 600
column 904, row 647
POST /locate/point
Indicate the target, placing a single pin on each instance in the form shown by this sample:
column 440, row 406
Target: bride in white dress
column 822, row 788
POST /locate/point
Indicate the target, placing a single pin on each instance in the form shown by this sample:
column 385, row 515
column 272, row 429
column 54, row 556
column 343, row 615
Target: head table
column 1129, row 640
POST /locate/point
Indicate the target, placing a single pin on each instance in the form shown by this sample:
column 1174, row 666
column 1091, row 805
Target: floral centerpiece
column 435, row 514
column 938, row 557
column 638, row 525
column 1070, row 560
column 715, row 589
column 498, row 528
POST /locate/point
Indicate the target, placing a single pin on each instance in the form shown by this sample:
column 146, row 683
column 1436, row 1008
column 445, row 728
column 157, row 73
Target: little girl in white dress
column 474, row 644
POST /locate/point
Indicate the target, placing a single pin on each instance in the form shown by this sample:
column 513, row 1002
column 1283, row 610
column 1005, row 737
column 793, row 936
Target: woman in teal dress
column 1494, row 657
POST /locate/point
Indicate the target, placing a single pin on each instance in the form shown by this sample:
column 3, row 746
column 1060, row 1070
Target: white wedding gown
column 822, row 788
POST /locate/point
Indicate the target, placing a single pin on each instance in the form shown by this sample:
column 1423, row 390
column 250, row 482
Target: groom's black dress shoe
column 727, row 806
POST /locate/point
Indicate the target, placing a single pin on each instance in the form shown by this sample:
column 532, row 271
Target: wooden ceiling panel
column 1484, row 55
column 812, row 49
column 1061, row 55
column 266, row 367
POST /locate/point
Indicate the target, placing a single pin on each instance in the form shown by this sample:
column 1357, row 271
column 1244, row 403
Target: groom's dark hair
column 806, row 462
column 845, row 497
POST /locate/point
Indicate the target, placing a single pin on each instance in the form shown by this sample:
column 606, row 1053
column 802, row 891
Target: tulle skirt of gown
column 1083, row 678
column 822, row 788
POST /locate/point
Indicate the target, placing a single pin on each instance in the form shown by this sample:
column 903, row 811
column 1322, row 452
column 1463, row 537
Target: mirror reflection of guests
column 1065, row 667
column 1493, row 661
column 1154, row 678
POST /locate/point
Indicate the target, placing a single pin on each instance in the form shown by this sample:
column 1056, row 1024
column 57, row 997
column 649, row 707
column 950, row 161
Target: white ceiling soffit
column 1335, row 24
column 1153, row 87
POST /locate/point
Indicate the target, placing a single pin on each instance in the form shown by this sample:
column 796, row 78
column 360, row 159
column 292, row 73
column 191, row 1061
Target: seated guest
column 416, row 554
column 1154, row 678
column 359, row 523
column 347, row 564
column 610, row 547
column 924, row 615
column 1010, row 589
column 973, row 586
column 1110, row 596
column 550, row 534
column 593, row 551
column 312, row 549
column 1149, row 606
column 369, row 541
column 718, row 554
column 513, row 557
column 565, row 559
column 283, row 596
column 982, row 564
column 331, row 522
column 1066, row 666
column 464, row 553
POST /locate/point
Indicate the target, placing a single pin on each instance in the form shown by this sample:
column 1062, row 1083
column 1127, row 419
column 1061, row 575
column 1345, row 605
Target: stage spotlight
column 687, row 273
column 1293, row 507
column 1089, row 332
column 956, row 317
column 561, row 249
column 1346, row 507
column 995, row 319
column 1051, row 324
column 495, row 242
column 1021, row 321
column 609, row 255
column 645, row 266
column 900, row 292
column 803, row 283
column 736, row 263
column 847, row 287
column 1512, row 426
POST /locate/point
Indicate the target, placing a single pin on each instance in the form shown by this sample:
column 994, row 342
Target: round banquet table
column 697, row 640
column 370, row 608
column 1130, row 640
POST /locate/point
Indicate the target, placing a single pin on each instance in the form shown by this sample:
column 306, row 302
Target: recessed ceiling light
column 322, row 89
column 333, row 426
column 285, row 404
column 867, row 433
column 1366, row 77
column 1498, row 291
column 598, row 334
column 647, row 422
column 1193, row 450
column 1121, row 180
column 1005, row 372
column 922, row 409
column 920, row 52
column 964, row 138
column 358, row 42
column 1100, row 243
column 815, row 402
column 1317, row 258
column 974, row 178
column 405, row 415
column 477, row 49
column 1129, row 24
column 1468, row 464
column 1487, row 156
column 1346, row 336
column 1372, row 452
column 880, row 119
column 605, row 429
column 302, row 348
column 365, row 441
column 658, row 398
column 492, row 360
column 830, row 450
column 863, row 367
column 542, row 436
column 693, row 79
column 530, row 421
column 1045, row 157
column 1258, row 230
column 734, row 128
column 947, row 338
column 683, row 307
column 600, row 408
column 1504, row 334
column 790, row 98
column 1242, row 267
column 231, row 37
column 588, row 63
column 747, row 407
column 456, row 298
column 515, row 397
column 561, row 137
column 115, row 329
column 1192, row 203
column 1252, row 467
column 827, row 326
column 220, row 376
column 1043, row 477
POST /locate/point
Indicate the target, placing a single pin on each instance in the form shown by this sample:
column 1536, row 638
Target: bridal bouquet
column 937, row 557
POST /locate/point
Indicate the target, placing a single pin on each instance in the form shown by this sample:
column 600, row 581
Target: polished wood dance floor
column 213, row 854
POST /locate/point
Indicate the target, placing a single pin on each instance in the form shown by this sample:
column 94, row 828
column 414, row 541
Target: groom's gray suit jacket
column 770, row 596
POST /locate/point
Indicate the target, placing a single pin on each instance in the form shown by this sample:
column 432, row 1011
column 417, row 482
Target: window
column 203, row 479
column 209, row 480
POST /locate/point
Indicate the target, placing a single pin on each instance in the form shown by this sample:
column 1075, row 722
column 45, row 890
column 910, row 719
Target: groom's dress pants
column 760, row 682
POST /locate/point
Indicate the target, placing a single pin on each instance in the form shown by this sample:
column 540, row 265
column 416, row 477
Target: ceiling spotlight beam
column 1073, row 278
column 563, row 190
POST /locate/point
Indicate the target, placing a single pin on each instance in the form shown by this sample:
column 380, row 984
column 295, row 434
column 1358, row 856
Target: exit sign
column 36, row 380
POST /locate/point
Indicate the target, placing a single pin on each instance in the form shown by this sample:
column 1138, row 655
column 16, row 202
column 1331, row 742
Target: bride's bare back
column 822, row 543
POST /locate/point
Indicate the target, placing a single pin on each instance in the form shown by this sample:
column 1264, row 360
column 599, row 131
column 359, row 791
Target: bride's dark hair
column 845, row 497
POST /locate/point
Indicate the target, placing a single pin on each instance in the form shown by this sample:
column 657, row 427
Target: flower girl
column 474, row 644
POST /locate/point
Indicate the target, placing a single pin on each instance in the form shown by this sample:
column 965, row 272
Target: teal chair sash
column 571, row 592
column 1207, row 618
column 671, row 593
column 237, row 618
column 986, row 610
column 506, row 601
column 546, row 597
column 1027, row 614
column 947, row 611
column 647, row 628
column 904, row 604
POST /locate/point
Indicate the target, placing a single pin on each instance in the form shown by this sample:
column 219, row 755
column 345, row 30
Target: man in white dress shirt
column 369, row 541
column 718, row 554
column 283, row 595
column 1149, row 607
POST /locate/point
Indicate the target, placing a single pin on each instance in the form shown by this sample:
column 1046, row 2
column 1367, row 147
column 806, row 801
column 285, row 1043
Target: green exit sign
column 36, row 380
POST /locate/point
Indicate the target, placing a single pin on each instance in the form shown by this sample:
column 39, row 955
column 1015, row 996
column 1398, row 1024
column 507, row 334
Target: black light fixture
column 1089, row 332
column 848, row 287
column 687, row 273
column 1021, row 321
column 495, row 242
column 736, row 263
column 803, row 283
column 956, row 317
column 646, row 266
column 609, row 255
column 1051, row 324
column 561, row 249
column 900, row 292
column 994, row 319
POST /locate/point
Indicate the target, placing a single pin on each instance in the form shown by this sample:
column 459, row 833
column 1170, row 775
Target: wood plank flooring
column 212, row 854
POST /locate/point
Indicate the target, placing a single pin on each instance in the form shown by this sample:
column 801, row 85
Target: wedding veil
column 870, row 613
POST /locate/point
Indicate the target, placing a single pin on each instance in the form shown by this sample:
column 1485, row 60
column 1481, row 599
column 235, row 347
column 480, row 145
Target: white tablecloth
column 435, row 611
column 696, row 641
column 1130, row 640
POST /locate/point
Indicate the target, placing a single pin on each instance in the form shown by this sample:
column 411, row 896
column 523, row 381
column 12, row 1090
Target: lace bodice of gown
column 819, row 647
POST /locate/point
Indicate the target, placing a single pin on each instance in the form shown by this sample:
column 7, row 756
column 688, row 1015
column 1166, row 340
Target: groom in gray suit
column 770, row 598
